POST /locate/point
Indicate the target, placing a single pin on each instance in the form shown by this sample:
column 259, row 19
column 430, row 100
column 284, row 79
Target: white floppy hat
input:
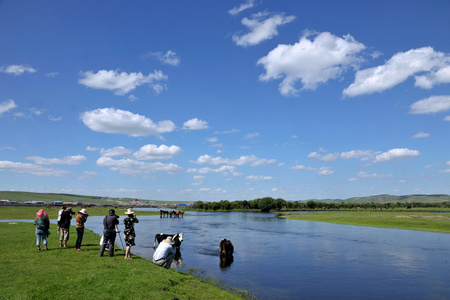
column 129, row 211
column 169, row 240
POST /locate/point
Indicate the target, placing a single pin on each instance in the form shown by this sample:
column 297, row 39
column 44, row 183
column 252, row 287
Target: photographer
column 64, row 224
column 129, row 233
column 109, row 232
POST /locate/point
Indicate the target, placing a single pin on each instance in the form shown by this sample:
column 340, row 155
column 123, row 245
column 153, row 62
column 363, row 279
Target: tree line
column 267, row 204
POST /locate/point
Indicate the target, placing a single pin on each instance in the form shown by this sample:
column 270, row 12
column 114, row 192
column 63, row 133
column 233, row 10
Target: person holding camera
column 81, row 219
column 109, row 232
column 64, row 225
column 129, row 233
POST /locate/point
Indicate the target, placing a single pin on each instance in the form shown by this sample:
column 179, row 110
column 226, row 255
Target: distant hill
column 402, row 199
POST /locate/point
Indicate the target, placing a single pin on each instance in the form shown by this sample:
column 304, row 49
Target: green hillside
column 402, row 199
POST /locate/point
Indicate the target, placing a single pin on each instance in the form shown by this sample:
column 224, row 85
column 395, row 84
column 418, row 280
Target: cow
column 176, row 238
column 226, row 248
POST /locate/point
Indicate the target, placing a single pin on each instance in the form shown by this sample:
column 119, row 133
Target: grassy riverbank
column 436, row 222
column 60, row 273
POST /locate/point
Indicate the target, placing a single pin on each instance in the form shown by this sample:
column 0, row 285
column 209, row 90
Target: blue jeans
column 41, row 234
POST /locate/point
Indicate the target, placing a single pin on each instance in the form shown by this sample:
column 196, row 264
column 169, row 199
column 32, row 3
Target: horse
column 163, row 213
column 172, row 213
column 176, row 238
column 178, row 213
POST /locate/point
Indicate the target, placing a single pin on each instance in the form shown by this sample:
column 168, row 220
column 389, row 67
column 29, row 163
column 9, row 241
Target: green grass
column 424, row 221
column 64, row 273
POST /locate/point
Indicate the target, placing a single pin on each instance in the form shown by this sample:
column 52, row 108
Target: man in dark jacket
column 109, row 232
column 64, row 225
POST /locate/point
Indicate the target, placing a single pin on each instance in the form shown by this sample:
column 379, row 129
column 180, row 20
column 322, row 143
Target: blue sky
column 225, row 100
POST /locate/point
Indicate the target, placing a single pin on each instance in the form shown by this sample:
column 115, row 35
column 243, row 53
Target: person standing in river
column 81, row 219
column 109, row 232
column 129, row 233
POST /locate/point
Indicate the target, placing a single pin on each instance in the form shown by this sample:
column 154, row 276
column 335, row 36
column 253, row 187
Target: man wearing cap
column 64, row 224
column 164, row 254
column 109, row 232
column 81, row 219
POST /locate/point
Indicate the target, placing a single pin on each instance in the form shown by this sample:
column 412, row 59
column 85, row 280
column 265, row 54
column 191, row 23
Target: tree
column 311, row 204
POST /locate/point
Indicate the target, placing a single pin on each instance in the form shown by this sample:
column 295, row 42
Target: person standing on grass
column 129, row 233
column 42, row 223
column 81, row 219
column 109, row 232
column 64, row 225
column 165, row 253
column 59, row 216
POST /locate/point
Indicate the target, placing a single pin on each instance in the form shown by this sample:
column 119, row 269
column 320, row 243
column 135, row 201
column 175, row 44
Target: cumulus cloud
column 16, row 167
column 433, row 78
column 17, row 69
column 243, row 6
column 258, row 178
column 112, row 152
column 153, row 152
column 223, row 170
column 359, row 154
column 6, row 106
column 250, row 160
column 121, row 83
column 400, row 67
column 168, row 58
column 134, row 167
column 111, row 120
column 396, row 154
column 311, row 61
column 67, row 160
column 262, row 26
column 319, row 171
column 373, row 175
column 431, row 105
column 420, row 135
column 326, row 157
column 195, row 124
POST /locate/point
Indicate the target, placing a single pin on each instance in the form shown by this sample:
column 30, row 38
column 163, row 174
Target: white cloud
column 121, row 83
column 250, row 160
column 447, row 118
column 67, row 160
column 311, row 61
column 223, row 169
column 431, row 105
column 396, row 154
column 420, row 135
column 243, row 6
column 169, row 58
column 117, row 151
column 195, row 124
column 252, row 136
column 87, row 174
column 319, row 171
column 326, row 157
column 396, row 70
column 373, row 175
column 153, row 152
column 359, row 154
column 17, row 69
column 436, row 77
column 258, row 178
column 15, row 167
column 111, row 120
column 133, row 167
column 7, row 106
column 262, row 27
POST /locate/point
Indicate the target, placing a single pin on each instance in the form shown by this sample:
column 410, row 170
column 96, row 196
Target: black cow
column 226, row 247
column 176, row 238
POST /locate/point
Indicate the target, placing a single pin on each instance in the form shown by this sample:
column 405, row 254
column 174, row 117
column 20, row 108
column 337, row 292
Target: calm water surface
column 276, row 258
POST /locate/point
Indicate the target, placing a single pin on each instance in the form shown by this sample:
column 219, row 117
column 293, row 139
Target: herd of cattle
column 225, row 246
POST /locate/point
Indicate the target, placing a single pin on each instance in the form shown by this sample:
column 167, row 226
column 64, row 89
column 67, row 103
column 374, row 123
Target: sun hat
column 83, row 211
column 168, row 240
column 129, row 211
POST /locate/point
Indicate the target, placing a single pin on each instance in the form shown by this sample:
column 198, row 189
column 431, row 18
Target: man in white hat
column 164, row 254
